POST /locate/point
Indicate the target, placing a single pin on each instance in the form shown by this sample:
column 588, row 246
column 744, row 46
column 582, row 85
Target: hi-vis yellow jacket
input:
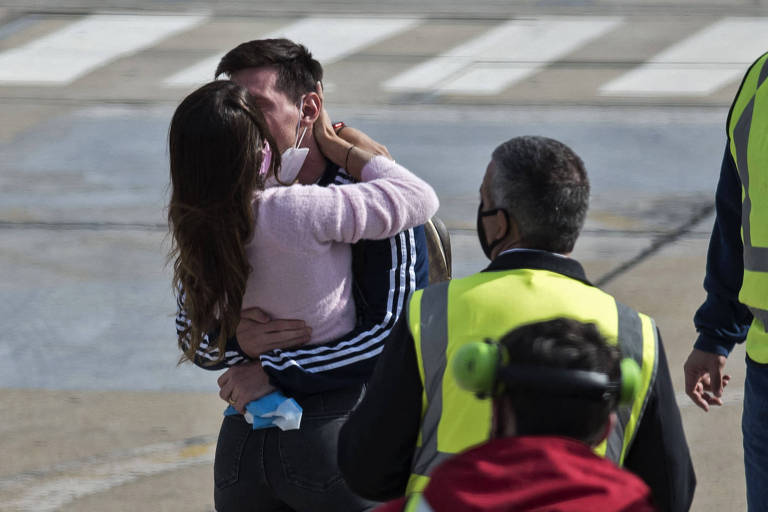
column 748, row 136
column 447, row 315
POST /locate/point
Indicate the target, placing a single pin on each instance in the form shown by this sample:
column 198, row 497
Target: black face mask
column 487, row 248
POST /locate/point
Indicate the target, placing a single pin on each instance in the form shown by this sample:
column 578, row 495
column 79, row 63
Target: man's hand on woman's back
column 257, row 333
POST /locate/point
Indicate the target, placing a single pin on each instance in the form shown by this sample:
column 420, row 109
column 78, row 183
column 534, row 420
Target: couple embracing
column 296, row 246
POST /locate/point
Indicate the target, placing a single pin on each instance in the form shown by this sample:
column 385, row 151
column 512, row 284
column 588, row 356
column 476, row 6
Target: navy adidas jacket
column 386, row 272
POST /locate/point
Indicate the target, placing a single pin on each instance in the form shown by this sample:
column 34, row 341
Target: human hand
column 348, row 134
column 258, row 333
column 244, row 383
column 325, row 135
column 340, row 151
column 328, row 141
column 704, row 378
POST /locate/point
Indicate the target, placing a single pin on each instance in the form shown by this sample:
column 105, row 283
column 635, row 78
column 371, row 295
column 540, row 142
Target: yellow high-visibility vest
column 417, row 503
column 445, row 316
column 748, row 137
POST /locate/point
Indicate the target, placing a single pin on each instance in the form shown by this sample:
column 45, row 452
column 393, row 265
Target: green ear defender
column 475, row 365
column 479, row 367
column 631, row 379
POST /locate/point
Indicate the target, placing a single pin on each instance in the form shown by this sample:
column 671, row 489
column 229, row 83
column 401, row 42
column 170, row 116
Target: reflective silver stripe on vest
column 763, row 74
column 651, row 381
column 434, row 345
column 755, row 258
column 631, row 345
column 761, row 315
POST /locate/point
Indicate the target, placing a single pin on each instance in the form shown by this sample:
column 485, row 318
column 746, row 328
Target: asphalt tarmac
column 96, row 413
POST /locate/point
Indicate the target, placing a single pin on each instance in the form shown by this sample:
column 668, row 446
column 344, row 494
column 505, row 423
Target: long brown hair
column 216, row 143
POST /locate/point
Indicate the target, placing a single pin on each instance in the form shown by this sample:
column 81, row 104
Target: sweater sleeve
column 390, row 199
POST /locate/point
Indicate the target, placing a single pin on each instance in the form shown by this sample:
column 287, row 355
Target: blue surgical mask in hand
column 272, row 410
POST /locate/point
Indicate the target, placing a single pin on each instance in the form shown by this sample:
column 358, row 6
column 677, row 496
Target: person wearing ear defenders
column 555, row 387
column 533, row 202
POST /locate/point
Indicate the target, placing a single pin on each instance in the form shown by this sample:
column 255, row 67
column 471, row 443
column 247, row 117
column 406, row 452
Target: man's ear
column 505, row 226
column 311, row 109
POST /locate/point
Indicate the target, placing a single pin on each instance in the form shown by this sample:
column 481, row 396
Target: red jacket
column 532, row 474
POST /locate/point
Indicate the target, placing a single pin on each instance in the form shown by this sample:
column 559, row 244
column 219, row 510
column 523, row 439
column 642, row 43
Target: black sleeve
column 383, row 281
column 722, row 321
column 659, row 454
column 377, row 443
column 207, row 352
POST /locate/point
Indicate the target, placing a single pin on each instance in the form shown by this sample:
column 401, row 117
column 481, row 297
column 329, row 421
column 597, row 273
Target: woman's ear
column 313, row 105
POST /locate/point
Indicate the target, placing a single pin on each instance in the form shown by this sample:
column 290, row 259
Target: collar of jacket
column 329, row 175
column 539, row 260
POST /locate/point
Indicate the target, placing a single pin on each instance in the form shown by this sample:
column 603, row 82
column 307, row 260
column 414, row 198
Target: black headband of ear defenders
column 480, row 367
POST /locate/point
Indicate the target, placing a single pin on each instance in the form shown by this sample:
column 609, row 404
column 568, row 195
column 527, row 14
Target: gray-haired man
column 534, row 199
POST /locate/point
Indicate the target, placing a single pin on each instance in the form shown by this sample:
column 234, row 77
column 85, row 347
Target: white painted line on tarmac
column 486, row 79
column 47, row 491
column 332, row 39
column 698, row 65
column 197, row 74
column 329, row 40
column 502, row 56
column 695, row 80
column 67, row 54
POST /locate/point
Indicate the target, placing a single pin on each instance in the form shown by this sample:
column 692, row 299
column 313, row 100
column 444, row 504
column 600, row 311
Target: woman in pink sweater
column 285, row 250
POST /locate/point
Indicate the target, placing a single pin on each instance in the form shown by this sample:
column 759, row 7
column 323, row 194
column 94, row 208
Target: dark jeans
column 753, row 422
column 271, row 470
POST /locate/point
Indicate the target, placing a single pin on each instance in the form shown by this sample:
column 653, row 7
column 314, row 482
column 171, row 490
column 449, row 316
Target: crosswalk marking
column 698, row 65
column 63, row 56
column 329, row 40
column 503, row 56
column 485, row 79
column 508, row 52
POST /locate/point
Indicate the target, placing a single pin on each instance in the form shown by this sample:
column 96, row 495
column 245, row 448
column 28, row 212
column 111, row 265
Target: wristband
column 337, row 127
column 346, row 159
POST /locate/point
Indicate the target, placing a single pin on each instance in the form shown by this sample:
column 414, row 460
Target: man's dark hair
column 543, row 186
column 297, row 72
column 567, row 344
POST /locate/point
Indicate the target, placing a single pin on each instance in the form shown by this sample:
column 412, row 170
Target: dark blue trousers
column 754, row 426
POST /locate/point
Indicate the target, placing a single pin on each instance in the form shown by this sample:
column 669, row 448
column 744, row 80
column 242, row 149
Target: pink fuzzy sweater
column 300, row 253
